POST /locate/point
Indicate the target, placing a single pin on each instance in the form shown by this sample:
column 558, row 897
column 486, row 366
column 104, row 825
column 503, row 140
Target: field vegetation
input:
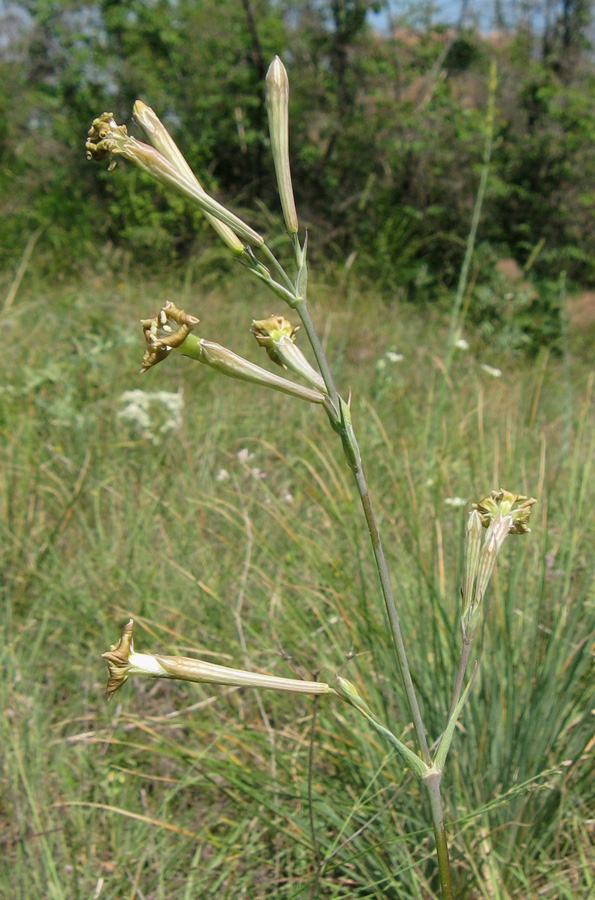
column 187, row 791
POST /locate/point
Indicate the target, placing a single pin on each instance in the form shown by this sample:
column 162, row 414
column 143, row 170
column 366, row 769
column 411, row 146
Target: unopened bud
column 277, row 97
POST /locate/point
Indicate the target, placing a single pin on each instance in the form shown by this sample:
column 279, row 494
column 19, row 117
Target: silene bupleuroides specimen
column 172, row 330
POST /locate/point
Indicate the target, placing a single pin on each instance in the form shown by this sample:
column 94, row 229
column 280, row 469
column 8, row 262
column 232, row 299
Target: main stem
column 393, row 616
column 431, row 782
column 432, row 785
column 379, row 556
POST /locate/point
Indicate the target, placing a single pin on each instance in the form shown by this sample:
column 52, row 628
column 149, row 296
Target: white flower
column 287, row 498
column 144, row 409
column 454, row 501
column 394, row 357
column 243, row 456
column 462, row 344
column 257, row 473
column 222, row 475
column 490, row 370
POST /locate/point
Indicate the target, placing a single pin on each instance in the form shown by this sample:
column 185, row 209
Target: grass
column 181, row 791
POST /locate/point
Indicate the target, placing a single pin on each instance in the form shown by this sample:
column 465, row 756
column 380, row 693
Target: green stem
column 352, row 453
column 306, row 320
column 455, row 321
column 393, row 616
column 460, row 676
column 432, row 785
column 279, row 268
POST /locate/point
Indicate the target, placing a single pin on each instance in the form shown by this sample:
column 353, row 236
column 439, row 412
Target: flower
column 502, row 513
column 170, row 330
column 123, row 661
column 140, row 407
column 106, row 140
column 506, row 503
column 394, row 357
column 277, row 335
column 490, row 370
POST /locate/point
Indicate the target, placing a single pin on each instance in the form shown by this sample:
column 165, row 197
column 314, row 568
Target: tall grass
column 183, row 791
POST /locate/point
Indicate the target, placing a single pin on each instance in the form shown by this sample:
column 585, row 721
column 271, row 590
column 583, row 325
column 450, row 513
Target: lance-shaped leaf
column 348, row 692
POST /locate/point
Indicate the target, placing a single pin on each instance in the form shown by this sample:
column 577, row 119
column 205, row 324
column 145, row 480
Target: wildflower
column 161, row 139
column 277, row 335
column 222, row 475
column 170, row 330
column 502, row 513
column 244, row 456
column 462, row 344
column 506, row 503
column 490, row 370
column 141, row 408
column 277, row 98
column 106, row 140
column 123, row 661
column 394, row 357
column 456, row 502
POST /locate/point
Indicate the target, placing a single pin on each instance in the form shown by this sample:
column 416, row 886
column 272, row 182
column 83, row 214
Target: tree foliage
column 387, row 131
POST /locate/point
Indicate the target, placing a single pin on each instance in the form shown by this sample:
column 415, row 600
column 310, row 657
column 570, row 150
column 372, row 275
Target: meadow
column 223, row 519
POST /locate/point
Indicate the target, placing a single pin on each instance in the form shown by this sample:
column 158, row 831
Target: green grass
column 179, row 791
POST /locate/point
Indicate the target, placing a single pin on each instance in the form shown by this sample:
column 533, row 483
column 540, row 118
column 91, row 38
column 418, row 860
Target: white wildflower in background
column 152, row 412
column 222, row 475
column 462, row 344
column 490, row 370
column 243, row 456
column 287, row 498
column 456, row 502
column 394, row 357
column 257, row 473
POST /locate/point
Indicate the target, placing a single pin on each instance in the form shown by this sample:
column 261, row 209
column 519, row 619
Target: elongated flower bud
column 161, row 139
column 107, row 139
column 277, row 94
column 474, row 535
column 170, row 330
column 277, row 335
column 123, row 661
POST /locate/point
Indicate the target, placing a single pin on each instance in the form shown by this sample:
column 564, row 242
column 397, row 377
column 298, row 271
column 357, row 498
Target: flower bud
column 277, row 97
